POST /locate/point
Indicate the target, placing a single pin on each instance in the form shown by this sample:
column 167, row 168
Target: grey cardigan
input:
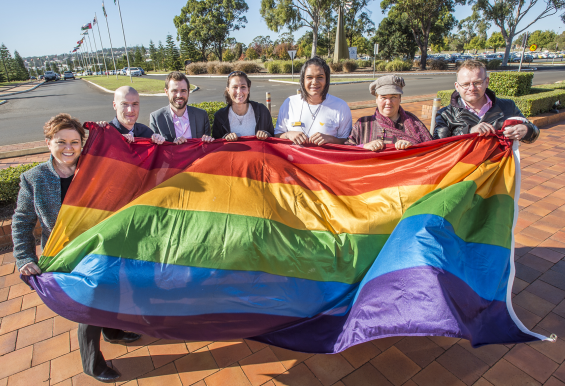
column 39, row 197
column 161, row 122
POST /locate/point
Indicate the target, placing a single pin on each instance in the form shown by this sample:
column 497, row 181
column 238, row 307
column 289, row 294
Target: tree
column 229, row 56
column 395, row 37
column 238, row 50
column 210, row 22
column 295, row 14
column 251, row 53
column 358, row 21
column 543, row 39
column 508, row 14
column 153, row 54
column 137, row 58
column 161, row 55
column 422, row 17
column 6, row 60
column 476, row 43
column 261, row 43
column 495, row 41
column 363, row 45
column 172, row 56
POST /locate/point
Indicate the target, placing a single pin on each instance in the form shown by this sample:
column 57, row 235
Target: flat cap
column 388, row 84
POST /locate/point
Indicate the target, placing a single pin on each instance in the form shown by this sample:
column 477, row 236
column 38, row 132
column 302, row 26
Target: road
column 23, row 117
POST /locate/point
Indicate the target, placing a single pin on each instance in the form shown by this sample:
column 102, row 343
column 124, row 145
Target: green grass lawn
column 14, row 83
column 297, row 79
column 143, row 85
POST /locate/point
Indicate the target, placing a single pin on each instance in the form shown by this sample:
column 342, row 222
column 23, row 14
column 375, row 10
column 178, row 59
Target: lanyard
column 314, row 115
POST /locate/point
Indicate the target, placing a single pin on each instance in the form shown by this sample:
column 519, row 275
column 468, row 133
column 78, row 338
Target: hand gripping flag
column 313, row 249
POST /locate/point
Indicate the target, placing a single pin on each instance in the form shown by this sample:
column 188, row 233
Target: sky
column 53, row 27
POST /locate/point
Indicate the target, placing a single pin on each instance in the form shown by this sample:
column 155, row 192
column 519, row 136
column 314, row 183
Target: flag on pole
column 94, row 21
column 86, row 27
column 104, row 10
column 84, row 33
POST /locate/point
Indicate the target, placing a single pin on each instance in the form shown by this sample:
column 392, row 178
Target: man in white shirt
column 178, row 122
column 314, row 116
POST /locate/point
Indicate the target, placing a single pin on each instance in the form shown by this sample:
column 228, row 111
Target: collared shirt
column 486, row 107
column 138, row 130
column 182, row 124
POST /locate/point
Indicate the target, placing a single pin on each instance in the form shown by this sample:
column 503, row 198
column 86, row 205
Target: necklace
column 314, row 115
column 237, row 117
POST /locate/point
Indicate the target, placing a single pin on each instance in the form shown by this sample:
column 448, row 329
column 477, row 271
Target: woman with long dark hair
column 241, row 117
column 314, row 116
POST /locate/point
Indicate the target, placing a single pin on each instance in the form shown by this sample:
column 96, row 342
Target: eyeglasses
column 477, row 84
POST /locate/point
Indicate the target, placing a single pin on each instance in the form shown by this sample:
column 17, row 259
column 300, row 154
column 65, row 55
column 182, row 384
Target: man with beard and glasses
column 178, row 122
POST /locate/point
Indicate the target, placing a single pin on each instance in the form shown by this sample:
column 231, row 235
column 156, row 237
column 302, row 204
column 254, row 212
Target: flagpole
column 88, row 53
column 96, row 52
column 100, row 36
column 82, row 60
column 109, row 37
column 125, row 43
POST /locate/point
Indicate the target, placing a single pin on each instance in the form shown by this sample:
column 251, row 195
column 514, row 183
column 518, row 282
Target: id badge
column 297, row 124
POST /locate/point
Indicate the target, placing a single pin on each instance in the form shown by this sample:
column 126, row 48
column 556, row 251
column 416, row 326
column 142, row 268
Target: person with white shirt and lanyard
column 314, row 116
column 178, row 122
column 241, row 117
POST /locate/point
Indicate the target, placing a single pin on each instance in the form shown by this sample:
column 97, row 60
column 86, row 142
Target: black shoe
column 127, row 337
column 109, row 375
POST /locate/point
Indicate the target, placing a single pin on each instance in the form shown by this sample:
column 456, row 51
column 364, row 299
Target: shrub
column 494, row 64
column 364, row 63
column 381, row 65
column 349, row 66
column 541, row 102
column 10, row 182
column 336, row 67
column 273, row 67
column 398, row 65
column 210, row 108
column 211, row 67
column 196, row 68
column 437, row 64
column 445, row 96
column 511, row 83
column 530, row 105
column 224, row 68
column 554, row 86
column 247, row 67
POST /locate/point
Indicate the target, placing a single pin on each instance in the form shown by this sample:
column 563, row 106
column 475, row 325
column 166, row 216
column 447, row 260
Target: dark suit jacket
column 161, row 122
column 139, row 129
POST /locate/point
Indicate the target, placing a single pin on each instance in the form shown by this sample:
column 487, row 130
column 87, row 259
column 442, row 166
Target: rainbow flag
column 313, row 249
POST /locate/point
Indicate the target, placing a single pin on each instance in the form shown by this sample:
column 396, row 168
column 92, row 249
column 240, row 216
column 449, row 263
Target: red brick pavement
column 40, row 347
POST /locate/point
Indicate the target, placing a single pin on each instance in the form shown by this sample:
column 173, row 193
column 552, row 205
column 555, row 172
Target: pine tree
column 153, row 54
column 172, row 58
column 20, row 67
column 137, row 58
column 6, row 61
column 2, row 76
column 161, row 55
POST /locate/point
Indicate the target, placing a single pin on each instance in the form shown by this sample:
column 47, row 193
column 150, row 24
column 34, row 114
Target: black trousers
column 93, row 362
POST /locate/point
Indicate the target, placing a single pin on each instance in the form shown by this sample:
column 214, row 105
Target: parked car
column 41, row 77
column 68, row 75
column 50, row 75
column 142, row 70
column 134, row 71
column 32, row 78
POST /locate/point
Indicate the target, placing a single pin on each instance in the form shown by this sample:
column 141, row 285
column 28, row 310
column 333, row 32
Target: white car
column 134, row 71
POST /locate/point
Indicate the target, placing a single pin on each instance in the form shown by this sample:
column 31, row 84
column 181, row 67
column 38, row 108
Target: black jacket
column 139, row 129
column 455, row 119
column 263, row 121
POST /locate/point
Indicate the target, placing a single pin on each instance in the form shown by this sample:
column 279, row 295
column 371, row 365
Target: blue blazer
column 39, row 198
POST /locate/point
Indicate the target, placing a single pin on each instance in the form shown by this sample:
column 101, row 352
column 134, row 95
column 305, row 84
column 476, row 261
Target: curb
column 24, row 152
column 2, row 102
column 152, row 95
column 19, row 92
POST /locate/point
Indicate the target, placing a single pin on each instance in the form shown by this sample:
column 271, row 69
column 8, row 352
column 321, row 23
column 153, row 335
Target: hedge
column 10, row 182
column 283, row 66
column 511, row 83
column 530, row 105
column 210, row 108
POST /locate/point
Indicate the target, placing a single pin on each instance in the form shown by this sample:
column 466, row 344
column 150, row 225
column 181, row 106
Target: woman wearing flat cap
column 390, row 124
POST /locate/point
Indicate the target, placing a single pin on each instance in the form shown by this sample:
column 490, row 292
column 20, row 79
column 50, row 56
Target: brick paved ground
column 39, row 347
